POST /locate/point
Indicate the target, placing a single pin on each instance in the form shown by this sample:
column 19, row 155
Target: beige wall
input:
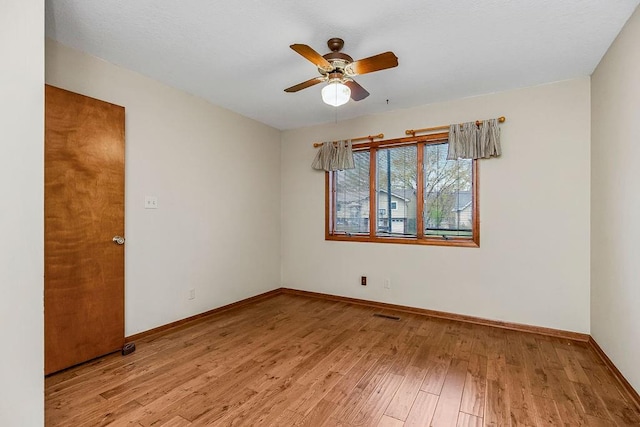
column 21, row 212
column 217, row 178
column 533, row 263
column 615, row 202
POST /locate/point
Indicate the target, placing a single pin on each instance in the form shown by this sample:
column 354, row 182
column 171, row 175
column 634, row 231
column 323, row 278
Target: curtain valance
column 474, row 141
column 334, row 156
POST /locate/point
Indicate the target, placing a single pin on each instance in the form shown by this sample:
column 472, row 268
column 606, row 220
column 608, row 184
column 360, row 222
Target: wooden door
column 84, row 210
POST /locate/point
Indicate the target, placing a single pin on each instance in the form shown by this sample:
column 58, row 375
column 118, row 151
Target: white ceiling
column 236, row 53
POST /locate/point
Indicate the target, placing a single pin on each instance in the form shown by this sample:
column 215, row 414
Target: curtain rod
column 413, row 132
column 362, row 138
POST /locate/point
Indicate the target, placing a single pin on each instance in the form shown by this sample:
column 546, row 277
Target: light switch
column 150, row 202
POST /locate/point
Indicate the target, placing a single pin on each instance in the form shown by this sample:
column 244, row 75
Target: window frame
column 420, row 238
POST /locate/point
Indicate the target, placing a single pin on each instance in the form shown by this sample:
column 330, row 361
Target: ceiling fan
column 338, row 69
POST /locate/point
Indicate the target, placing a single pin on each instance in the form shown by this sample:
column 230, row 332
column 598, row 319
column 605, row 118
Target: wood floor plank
column 358, row 397
column 344, row 388
column 402, row 401
column 564, row 395
column 475, row 385
column 315, row 392
column 423, row 356
column 176, row 421
column 283, row 361
column 426, row 327
column 437, row 364
column 620, row 411
column 513, row 348
column 262, row 408
column 434, row 378
column 349, row 318
column 591, row 402
column 156, row 403
column 343, row 357
column 299, row 361
column 604, row 383
column 217, row 396
column 547, row 411
column 166, row 379
column 463, row 346
column 387, row 421
column 535, row 367
column 497, row 409
column 497, row 369
column 571, row 366
column 408, row 352
column 480, row 342
column 539, row 381
column 288, row 418
column 373, row 409
column 467, row 420
column 521, row 404
column 61, row 414
column 586, row 356
column 548, row 354
column 319, row 415
column 320, row 355
column 104, row 414
column 422, row 410
column 592, row 421
column 446, row 413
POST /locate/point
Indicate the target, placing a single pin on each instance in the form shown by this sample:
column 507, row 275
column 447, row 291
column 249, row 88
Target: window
column 352, row 195
column 404, row 191
column 447, row 194
column 396, row 180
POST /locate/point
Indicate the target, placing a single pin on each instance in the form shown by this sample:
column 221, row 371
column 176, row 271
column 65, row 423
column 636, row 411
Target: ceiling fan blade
column 378, row 62
column 357, row 92
column 304, row 85
column 312, row 56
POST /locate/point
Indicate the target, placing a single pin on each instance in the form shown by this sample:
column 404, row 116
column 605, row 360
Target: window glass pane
column 396, row 184
column 448, row 204
column 351, row 204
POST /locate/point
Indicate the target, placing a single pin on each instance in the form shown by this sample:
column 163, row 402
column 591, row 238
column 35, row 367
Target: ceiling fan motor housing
column 338, row 65
column 337, row 59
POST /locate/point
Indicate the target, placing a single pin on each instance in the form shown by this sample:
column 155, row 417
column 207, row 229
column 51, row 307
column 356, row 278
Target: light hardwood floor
column 300, row 361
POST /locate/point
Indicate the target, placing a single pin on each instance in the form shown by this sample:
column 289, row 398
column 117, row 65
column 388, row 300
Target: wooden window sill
column 465, row 243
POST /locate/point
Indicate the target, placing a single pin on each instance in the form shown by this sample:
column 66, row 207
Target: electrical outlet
column 150, row 202
column 363, row 280
column 192, row 294
column 387, row 283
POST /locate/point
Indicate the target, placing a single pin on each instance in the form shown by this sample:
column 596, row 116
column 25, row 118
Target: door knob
column 118, row 240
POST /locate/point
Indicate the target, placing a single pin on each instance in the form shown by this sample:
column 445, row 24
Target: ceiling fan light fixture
column 336, row 93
